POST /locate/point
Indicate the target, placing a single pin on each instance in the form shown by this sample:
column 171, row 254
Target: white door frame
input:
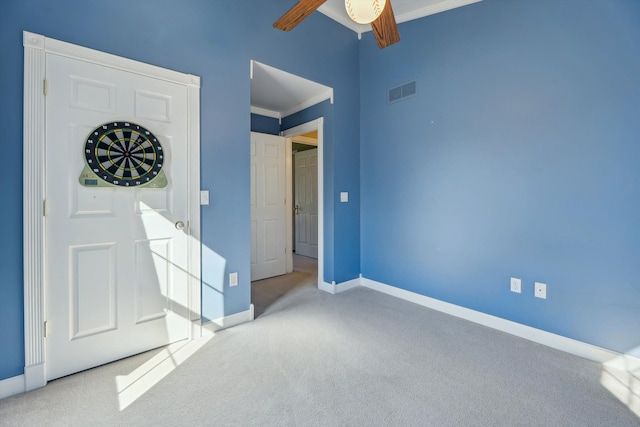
column 34, row 189
column 316, row 124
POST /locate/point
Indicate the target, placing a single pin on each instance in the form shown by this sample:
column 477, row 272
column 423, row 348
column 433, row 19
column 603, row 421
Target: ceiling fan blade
column 385, row 28
column 297, row 14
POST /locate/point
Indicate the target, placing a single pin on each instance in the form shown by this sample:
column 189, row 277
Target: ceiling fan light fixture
column 364, row 11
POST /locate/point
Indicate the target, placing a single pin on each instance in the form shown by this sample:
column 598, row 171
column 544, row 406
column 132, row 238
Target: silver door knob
column 179, row 225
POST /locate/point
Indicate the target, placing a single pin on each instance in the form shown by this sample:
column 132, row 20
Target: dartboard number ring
column 123, row 154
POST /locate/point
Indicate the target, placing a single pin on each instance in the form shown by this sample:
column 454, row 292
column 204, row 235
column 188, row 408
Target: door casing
column 317, row 124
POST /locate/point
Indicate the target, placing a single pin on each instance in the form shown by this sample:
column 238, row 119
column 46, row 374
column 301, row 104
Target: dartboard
column 122, row 154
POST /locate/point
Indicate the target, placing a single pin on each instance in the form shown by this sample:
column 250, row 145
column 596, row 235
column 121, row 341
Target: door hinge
column 46, row 328
column 44, row 87
column 44, row 208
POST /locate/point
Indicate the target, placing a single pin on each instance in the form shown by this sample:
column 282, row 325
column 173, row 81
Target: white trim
column 310, row 103
column 327, row 287
column 288, row 167
column 193, row 209
column 264, row 112
column 85, row 54
column 228, row 321
column 317, row 124
column 335, row 288
column 304, row 128
column 33, row 200
column 12, row 386
column 34, row 376
column 305, row 140
column 35, row 49
column 432, row 9
column 625, row 362
column 349, row 284
column 568, row 345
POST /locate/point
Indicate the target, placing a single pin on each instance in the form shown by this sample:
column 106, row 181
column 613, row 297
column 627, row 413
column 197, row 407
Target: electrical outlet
column 516, row 285
column 540, row 290
column 233, row 279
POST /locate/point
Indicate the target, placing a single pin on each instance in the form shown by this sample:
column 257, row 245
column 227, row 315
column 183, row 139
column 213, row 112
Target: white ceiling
column 275, row 93
column 403, row 10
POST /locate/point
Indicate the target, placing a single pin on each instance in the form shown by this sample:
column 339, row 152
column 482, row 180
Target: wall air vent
column 402, row 91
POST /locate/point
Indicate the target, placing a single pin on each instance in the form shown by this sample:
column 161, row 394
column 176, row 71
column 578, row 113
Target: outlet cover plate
column 233, row 279
column 516, row 285
column 204, row 197
column 540, row 290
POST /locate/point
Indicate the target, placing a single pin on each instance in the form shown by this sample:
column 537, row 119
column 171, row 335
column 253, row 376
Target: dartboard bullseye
column 123, row 154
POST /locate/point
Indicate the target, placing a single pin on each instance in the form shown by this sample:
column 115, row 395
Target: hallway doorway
column 266, row 293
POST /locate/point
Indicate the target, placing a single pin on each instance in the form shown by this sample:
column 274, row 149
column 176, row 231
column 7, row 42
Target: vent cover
column 403, row 91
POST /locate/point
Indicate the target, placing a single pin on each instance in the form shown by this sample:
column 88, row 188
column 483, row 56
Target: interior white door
column 116, row 257
column 306, row 202
column 268, row 211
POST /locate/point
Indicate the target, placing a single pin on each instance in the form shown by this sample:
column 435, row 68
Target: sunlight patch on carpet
column 621, row 376
column 134, row 385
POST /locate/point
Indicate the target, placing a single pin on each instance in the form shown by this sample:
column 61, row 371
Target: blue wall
column 264, row 124
column 209, row 39
column 519, row 156
column 341, row 238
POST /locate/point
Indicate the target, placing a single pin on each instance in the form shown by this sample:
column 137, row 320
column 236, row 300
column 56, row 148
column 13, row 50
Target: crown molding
column 266, row 112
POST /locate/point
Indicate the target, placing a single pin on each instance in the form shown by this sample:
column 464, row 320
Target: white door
column 268, row 211
column 116, row 281
column 306, row 202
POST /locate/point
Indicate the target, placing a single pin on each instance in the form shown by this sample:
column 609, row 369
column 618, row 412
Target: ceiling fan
column 378, row 12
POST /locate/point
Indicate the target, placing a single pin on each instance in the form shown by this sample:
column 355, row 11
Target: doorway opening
column 276, row 96
column 305, row 195
column 302, row 270
column 310, row 133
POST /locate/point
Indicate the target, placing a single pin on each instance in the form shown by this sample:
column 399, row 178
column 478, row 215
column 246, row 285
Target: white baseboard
column 334, row 288
column 349, row 284
column 228, row 321
column 12, row 386
column 327, row 287
column 568, row 345
column 34, row 377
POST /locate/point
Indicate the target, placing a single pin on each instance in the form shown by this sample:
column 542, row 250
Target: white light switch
column 204, row 197
column 344, row 196
column 233, row 279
